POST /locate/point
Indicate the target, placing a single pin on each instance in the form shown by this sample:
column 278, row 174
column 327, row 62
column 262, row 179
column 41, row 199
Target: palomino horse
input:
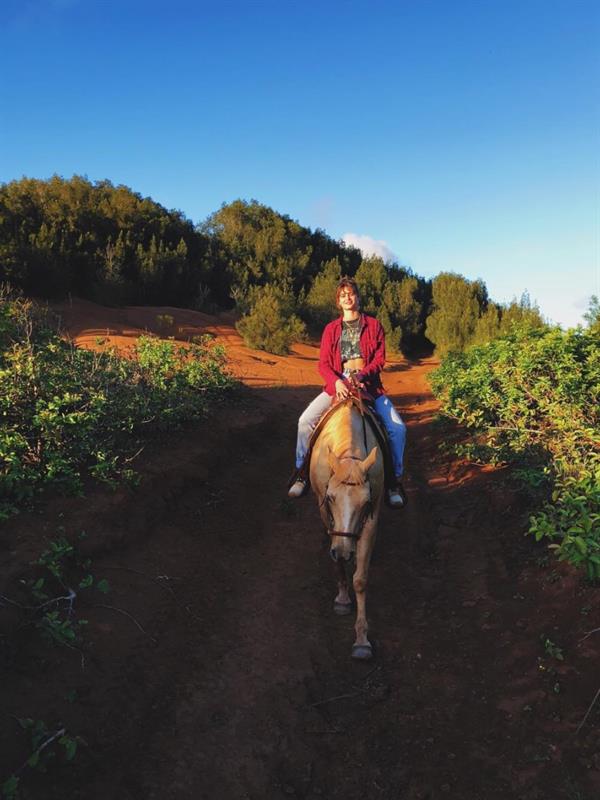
column 347, row 475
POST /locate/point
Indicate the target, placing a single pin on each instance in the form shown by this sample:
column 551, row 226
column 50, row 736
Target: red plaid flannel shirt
column 372, row 348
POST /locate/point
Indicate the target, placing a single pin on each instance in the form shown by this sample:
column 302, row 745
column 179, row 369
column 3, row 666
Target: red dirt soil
column 215, row 667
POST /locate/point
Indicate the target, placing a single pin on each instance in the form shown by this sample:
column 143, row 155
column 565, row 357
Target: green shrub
column 65, row 411
column 319, row 305
column 532, row 399
column 572, row 519
column 271, row 324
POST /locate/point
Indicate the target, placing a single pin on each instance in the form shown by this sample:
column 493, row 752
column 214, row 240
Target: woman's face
column 348, row 299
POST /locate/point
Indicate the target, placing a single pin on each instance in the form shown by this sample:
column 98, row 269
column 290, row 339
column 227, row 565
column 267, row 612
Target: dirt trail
column 241, row 685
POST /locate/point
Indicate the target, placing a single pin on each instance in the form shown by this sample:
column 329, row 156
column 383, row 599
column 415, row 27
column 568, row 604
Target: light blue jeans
column 392, row 422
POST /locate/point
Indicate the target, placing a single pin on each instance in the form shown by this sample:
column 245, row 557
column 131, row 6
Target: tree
column 519, row 312
column 371, row 278
column 78, row 236
column 592, row 315
column 404, row 308
column 319, row 305
column 487, row 326
column 270, row 325
column 457, row 306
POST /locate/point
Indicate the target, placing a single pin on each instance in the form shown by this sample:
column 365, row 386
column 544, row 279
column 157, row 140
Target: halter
column 366, row 512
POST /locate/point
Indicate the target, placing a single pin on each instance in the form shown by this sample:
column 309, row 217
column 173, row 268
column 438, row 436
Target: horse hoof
column 362, row 652
column 341, row 609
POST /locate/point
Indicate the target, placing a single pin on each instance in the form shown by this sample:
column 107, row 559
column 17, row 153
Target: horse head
column 347, row 502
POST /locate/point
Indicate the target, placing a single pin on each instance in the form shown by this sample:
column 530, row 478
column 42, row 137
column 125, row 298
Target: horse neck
column 347, row 432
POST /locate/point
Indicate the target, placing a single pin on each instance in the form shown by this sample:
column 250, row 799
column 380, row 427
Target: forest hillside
column 110, row 245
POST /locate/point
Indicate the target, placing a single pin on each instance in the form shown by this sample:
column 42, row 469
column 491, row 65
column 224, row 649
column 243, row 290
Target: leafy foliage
column 59, row 569
column 112, row 245
column 533, row 399
column 457, row 306
column 592, row 315
column 463, row 314
column 45, row 745
column 66, row 411
column 101, row 241
column 319, row 306
column 271, row 324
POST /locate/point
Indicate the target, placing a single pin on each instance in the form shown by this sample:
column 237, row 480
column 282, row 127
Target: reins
column 357, row 396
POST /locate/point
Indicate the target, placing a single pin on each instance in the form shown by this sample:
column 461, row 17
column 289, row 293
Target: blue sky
column 463, row 136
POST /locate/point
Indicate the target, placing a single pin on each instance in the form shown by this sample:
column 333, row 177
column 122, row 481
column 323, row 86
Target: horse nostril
column 333, row 553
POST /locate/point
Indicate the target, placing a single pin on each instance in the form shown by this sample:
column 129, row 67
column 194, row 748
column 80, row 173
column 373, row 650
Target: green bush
column 271, row 324
column 319, row 305
column 572, row 520
column 532, row 399
column 65, row 411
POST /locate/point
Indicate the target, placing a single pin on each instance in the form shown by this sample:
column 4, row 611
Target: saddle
column 364, row 403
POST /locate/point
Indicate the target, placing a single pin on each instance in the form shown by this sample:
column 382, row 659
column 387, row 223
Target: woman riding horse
column 352, row 350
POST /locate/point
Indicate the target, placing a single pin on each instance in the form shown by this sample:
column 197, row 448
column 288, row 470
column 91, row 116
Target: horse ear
column 334, row 461
column 369, row 460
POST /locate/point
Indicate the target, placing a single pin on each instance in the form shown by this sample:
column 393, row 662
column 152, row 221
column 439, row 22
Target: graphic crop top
column 350, row 340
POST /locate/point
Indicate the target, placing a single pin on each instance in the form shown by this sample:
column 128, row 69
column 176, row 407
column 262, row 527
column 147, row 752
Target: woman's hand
column 341, row 390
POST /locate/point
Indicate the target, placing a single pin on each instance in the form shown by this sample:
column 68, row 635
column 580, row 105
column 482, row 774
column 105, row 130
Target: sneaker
column 298, row 488
column 397, row 496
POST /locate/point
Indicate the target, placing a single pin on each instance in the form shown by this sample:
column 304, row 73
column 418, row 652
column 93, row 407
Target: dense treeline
column 102, row 242
column 110, row 244
column 462, row 314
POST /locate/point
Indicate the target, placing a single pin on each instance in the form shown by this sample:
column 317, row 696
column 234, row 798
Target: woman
column 353, row 344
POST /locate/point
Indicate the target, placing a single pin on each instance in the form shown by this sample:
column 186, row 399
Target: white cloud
column 370, row 246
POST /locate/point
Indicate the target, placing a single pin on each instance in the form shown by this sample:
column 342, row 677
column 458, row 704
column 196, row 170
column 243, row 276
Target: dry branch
column 127, row 614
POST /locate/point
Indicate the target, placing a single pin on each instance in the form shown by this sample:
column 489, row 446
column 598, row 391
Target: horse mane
column 341, row 430
column 346, row 440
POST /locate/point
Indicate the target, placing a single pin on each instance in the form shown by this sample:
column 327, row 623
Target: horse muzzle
column 344, row 549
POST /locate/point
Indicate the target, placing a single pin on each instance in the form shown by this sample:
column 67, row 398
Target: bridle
column 367, row 510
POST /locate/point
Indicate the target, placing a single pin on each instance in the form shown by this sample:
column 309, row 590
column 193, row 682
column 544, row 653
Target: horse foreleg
column 362, row 647
column 342, row 603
